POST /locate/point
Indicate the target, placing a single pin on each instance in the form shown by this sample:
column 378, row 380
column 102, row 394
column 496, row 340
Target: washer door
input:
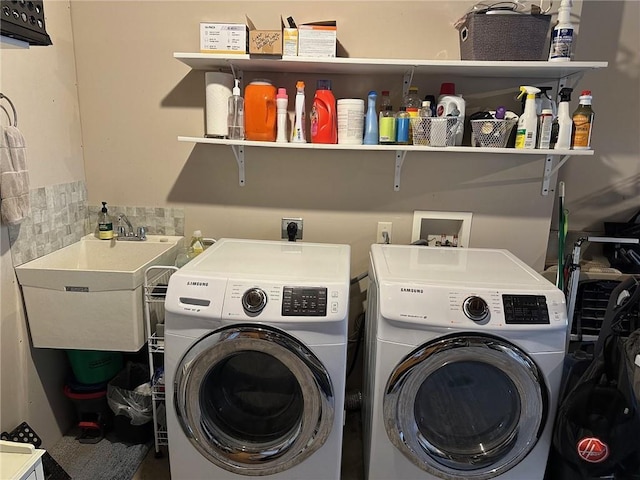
column 465, row 406
column 253, row 400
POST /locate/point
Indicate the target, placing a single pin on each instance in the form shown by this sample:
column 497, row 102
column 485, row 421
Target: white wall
column 41, row 82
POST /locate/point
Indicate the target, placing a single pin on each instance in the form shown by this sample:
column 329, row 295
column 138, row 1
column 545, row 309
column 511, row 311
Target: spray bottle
column 561, row 129
column 562, row 35
column 528, row 123
column 299, row 135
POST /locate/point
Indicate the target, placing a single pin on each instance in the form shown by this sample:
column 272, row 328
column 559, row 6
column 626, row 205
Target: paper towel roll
column 218, row 91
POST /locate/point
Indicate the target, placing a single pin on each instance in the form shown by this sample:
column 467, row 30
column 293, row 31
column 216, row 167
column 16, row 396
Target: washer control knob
column 475, row 308
column 254, row 300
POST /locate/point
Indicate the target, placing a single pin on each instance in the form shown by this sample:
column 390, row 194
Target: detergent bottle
column 299, row 134
column 260, row 111
column 528, row 123
column 324, row 122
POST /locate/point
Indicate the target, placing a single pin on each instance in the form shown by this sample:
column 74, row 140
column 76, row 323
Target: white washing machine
column 464, row 359
column 255, row 353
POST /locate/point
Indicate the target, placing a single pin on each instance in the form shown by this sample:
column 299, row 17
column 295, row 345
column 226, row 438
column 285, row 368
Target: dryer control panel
column 304, row 301
column 525, row 309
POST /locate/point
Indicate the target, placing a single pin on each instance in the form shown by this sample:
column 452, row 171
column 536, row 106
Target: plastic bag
column 129, row 394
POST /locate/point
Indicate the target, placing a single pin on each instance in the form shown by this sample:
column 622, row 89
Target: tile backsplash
column 60, row 216
column 156, row 220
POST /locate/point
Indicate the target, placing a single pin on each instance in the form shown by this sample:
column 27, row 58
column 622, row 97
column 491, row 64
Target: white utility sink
column 89, row 295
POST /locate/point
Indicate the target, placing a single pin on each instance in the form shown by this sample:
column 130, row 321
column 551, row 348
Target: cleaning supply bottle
column 412, row 103
column 450, row 104
column 324, row 120
column 371, row 120
column 105, row 224
column 526, row 134
column 582, row 123
column 562, row 35
column 260, row 111
column 544, row 128
column 196, row 244
column 387, row 120
column 299, row 135
column 403, row 120
column 282, row 103
column 562, row 126
column 235, row 119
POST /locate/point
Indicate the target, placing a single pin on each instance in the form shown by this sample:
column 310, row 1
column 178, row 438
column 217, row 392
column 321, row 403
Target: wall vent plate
column 24, row 20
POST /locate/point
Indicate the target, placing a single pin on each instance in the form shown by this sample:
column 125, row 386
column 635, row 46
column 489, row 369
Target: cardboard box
column 289, row 42
column 227, row 38
column 317, row 39
column 265, row 42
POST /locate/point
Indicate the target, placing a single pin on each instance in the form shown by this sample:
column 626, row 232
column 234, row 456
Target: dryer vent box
column 452, row 229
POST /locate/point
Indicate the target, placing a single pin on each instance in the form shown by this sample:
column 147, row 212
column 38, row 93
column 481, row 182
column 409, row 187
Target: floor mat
column 109, row 459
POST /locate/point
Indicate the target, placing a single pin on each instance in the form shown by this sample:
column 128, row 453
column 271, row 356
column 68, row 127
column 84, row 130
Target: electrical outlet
column 384, row 232
column 285, row 224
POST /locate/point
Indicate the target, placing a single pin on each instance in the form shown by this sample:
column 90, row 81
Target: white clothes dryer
column 255, row 353
column 464, row 358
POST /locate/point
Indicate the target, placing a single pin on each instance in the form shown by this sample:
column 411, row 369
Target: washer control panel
column 304, row 301
column 525, row 309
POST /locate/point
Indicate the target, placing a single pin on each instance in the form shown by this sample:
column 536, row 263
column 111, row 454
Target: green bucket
column 91, row 366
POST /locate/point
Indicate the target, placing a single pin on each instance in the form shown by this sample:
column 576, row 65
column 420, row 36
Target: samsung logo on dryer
column 198, row 284
column 411, row 290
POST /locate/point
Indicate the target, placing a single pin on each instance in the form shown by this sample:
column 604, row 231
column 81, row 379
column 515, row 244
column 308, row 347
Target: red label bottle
column 324, row 120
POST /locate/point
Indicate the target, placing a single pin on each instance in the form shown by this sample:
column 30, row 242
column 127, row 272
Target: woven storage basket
column 498, row 37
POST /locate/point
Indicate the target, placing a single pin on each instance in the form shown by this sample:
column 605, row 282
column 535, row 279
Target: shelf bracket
column 550, row 170
column 400, row 154
column 238, row 152
column 407, row 81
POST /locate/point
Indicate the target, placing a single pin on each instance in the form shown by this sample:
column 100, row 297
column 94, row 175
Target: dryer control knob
column 475, row 308
column 254, row 300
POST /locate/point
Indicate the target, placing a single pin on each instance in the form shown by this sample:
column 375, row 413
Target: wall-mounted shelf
column 400, row 151
column 368, row 66
column 564, row 73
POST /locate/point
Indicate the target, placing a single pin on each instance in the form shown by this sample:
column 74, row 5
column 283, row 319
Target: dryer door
column 465, row 406
column 253, row 400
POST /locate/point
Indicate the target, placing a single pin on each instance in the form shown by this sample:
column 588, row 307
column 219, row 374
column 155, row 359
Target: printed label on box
column 316, row 41
column 223, row 38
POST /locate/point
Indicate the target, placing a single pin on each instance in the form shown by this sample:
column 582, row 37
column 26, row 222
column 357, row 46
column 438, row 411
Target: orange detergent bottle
column 260, row 111
column 324, row 121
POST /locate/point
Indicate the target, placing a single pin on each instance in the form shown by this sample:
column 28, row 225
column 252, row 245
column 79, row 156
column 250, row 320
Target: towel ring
column 13, row 108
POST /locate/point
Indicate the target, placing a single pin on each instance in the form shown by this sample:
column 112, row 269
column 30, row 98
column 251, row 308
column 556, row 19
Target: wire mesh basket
column 434, row 131
column 491, row 133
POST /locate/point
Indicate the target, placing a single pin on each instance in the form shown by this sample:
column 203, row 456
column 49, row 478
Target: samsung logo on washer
column 197, row 284
column 411, row 290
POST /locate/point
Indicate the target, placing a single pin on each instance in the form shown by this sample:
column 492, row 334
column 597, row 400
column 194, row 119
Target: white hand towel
column 14, row 177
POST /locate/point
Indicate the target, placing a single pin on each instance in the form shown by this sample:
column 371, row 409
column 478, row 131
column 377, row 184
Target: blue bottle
column 371, row 121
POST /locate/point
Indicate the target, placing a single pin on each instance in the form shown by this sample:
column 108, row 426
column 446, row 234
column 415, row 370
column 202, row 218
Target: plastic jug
column 260, row 111
column 324, row 121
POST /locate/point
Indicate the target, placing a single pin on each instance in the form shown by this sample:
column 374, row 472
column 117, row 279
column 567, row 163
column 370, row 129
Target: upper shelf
column 368, row 66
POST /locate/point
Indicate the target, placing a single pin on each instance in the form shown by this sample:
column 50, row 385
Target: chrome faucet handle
column 142, row 233
column 121, row 231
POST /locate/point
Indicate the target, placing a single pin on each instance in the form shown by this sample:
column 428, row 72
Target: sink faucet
column 126, row 233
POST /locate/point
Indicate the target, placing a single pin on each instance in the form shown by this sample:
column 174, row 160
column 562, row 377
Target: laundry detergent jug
column 324, row 120
column 260, row 111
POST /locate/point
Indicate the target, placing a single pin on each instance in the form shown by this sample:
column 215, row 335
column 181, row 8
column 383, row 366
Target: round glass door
column 253, row 400
column 465, row 407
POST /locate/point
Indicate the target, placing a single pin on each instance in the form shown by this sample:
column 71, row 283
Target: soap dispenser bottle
column 196, row 245
column 105, row 224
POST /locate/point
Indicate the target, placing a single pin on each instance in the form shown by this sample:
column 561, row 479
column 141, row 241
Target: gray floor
column 352, row 465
